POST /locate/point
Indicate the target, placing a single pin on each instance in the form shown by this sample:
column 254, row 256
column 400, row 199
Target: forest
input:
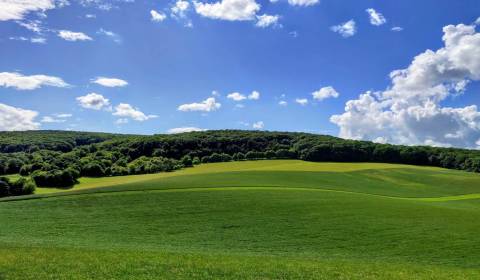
column 59, row 158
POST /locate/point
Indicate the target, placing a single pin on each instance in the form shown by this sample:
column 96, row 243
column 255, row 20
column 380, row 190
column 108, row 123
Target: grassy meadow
column 282, row 219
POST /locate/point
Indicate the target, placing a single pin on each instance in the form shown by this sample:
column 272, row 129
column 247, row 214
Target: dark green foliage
column 196, row 161
column 64, row 141
column 187, row 161
column 22, row 186
column 56, row 178
column 93, row 169
column 47, row 154
column 145, row 165
column 4, row 187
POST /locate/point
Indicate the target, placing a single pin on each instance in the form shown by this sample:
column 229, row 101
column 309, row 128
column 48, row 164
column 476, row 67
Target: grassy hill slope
column 250, row 220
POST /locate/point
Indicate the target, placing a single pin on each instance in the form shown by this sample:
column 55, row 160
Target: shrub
column 22, row 186
column 187, row 161
column 93, row 169
column 196, row 161
column 4, row 187
column 56, row 178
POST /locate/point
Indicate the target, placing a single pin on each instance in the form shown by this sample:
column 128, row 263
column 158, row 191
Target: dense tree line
column 98, row 155
column 64, row 141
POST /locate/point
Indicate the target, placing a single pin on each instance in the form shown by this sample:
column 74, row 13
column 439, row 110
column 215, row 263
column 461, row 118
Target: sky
column 401, row 72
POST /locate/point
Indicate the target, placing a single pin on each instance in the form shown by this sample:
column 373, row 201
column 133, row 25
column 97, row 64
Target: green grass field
column 250, row 220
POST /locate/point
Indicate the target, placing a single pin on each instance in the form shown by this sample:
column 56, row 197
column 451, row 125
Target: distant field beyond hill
column 281, row 219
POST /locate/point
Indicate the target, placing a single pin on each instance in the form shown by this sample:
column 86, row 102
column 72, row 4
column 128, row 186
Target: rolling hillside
column 281, row 219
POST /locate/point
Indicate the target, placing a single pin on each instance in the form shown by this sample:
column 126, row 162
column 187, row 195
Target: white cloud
column 63, row 115
column 93, row 101
column 34, row 40
column 410, row 111
column 121, row 121
column 21, row 82
column 112, row 35
column 282, row 103
column 265, row 20
column 184, row 129
column 49, row 119
column 325, row 92
column 346, row 29
column 90, row 16
column 180, row 8
column 125, row 110
column 376, row 18
column 397, row 28
column 110, row 82
column 32, row 25
column 236, row 96
column 73, row 36
column 207, row 105
column 303, row 2
column 16, row 10
column 258, row 125
column 105, row 5
column 231, row 10
column 255, row 95
column 302, row 101
column 38, row 40
column 157, row 16
column 15, row 119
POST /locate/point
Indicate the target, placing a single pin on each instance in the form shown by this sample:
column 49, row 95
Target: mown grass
column 252, row 220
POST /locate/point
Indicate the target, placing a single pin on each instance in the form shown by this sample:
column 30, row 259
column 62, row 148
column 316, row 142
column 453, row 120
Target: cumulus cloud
column 236, row 96
column 302, row 101
column 303, row 2
column 157, row 16
column 184, row 129
column 73, row 36
column 282, row 103
column 16, row 10
column 324, row 93
column 15, row 119
column 397, row 28
column 125, row 110
column 232, row 10
column 410, row 111
column 255, row 95
column 265, row 20
column 258, row 125
column 208, row 105
column 179, row 9
column 376, row 18
column 21, row 82
column 93, row 101
column 110, row 82
column 346, row 29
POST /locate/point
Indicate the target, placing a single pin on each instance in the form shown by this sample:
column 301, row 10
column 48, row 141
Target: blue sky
column 159, row 55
